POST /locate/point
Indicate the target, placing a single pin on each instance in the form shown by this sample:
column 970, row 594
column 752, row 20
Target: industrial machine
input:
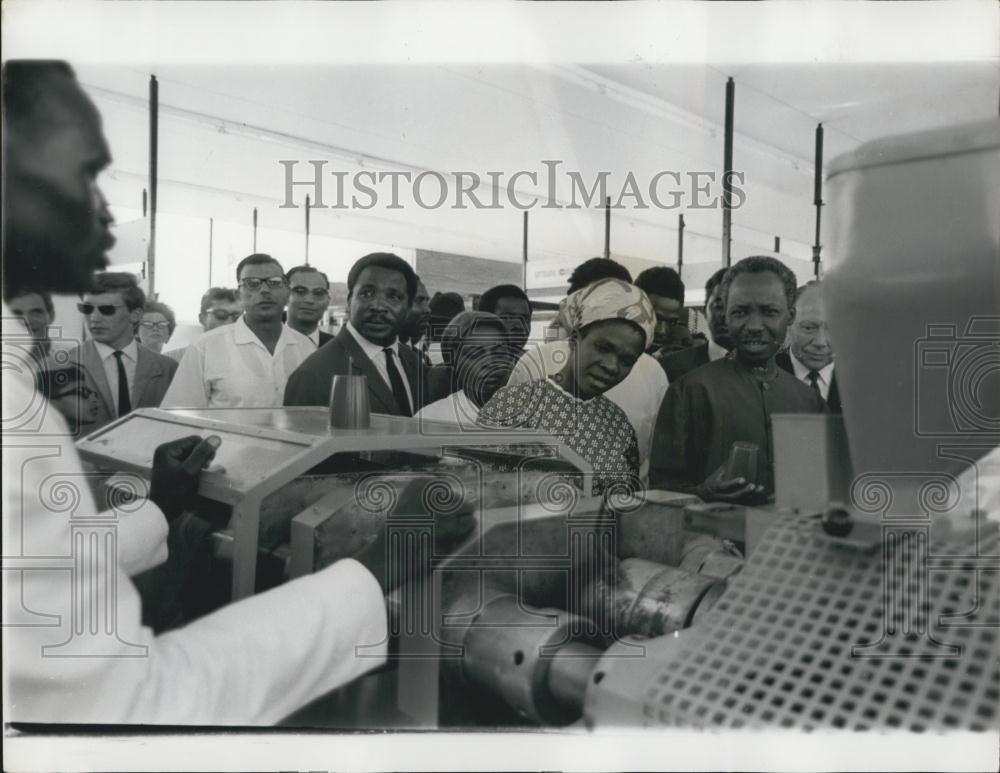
column 866, row 596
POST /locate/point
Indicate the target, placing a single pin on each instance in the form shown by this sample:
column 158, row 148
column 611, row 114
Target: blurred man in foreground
column 250, row 663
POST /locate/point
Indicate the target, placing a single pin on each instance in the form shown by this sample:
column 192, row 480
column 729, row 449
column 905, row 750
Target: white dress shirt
column 229, row 367
column 250, row 663
column 130, row 360
column 802, row 374
column 313, row 336
column 639, row 395
column 378, row 358
column 456, row 408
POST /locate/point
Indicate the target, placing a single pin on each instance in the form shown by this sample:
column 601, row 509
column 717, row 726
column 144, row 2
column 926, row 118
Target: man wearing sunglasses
column 219, row 306
column 308, row 301
column 124, row 374
column 245, row 364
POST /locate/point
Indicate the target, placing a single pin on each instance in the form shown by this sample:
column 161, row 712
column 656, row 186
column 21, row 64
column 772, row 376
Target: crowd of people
column 618, row 378
column 618, row 375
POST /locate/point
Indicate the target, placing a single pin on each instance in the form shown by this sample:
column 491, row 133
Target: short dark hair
column 444, row 308
column 488, row 301
column 306, row 270
column 45, row 295
column 760, row 264
column 120, row 282
column 595, row 269
column 26, row 88
column 714, row 281
column 166, row 311
column 218, row 294
column 386, row 260
column 662, row 281
column 257, row 259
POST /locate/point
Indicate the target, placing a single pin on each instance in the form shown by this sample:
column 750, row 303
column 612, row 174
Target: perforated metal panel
column 813, row 634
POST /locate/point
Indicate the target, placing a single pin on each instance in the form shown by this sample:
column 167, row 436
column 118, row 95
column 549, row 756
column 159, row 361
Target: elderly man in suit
column 380, row 290
column 810, row 357
column 124, row 374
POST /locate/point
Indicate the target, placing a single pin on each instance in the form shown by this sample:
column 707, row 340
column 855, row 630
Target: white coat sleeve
column 75, row 649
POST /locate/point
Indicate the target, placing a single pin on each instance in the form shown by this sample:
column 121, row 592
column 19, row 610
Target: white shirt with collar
column 377, row 356
column 802, row 374
column 313, row 336
column 229, row 367
column 130, row 360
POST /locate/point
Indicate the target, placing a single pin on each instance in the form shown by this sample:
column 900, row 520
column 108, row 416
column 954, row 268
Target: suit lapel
column 94, row 366
column 382, row 400
column 146, row 369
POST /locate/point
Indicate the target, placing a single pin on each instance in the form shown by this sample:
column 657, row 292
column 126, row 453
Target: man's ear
column 136, row 316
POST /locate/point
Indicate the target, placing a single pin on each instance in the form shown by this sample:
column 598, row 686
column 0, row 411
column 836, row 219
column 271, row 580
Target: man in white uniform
column 246, row 364
column 250, row 663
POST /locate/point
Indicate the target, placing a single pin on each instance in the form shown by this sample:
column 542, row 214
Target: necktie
column 813, row 377
column 396, row 382
column 124, row 403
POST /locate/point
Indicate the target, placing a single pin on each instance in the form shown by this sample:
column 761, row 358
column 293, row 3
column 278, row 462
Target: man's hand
column 176, row 468
column 719, row 488
column 451, row 528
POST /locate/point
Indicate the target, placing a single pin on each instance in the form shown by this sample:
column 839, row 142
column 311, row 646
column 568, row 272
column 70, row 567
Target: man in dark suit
column 124, row 374
column 308, row 300
column 810, row 357
column 380, row 290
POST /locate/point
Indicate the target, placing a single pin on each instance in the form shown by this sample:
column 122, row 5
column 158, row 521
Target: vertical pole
column 254, row 230
column 211, row 241
column 607, row 227
column 524, row 253
column 818, row 196
column 307, row 229
column 144, row 202
column 777, row 244
column 727, row 169
column 680, row 245
column 154, row 131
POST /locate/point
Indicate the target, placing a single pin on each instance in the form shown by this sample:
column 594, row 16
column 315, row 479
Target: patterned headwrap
column 609, row 299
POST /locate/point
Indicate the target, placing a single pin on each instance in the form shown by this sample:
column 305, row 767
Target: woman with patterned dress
column 611, row 323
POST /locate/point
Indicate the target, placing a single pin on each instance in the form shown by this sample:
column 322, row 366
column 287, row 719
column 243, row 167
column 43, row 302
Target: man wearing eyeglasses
column 219, row 306
column 246, row 364
column 124, row 374
column 308, row 301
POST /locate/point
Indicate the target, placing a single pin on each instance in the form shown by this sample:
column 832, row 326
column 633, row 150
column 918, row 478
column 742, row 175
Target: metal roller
column 705, row 554
column 511, row 651
column 649, row 599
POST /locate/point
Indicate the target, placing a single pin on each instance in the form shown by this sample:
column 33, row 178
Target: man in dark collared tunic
column 732, row 399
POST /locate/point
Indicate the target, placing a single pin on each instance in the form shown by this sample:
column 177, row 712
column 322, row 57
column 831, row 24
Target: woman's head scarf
column 608, row 299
